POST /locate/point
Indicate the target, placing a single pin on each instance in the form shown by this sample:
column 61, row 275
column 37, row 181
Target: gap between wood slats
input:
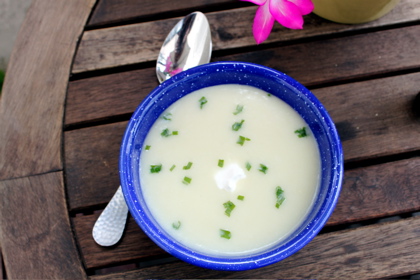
column 367, row 193
column 374, row 119
column 118, row 12
column 118, row 46
column 316, row 63
column 378, row 251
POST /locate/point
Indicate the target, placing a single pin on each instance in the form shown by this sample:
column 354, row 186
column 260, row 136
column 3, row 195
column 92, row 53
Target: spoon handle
column 110, row 225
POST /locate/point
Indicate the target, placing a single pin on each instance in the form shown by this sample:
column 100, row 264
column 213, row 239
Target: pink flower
column 287, row 12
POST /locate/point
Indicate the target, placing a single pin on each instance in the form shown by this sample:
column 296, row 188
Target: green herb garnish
column 238, row 109
column 229, row 206
column 221, row 163
column 175, row 132
column 248, row 166
column 172, row 167
column 147, row 147
column 280, row 197
column 188, row 166
column 155, row 168
column 166, row 132
column 240, row 197
column 242, row 139
column 225, row 234
column 236, row 126
column 186, row 181
column 263, row 168
column 176, row 225
column 301, row 132
column 167, row 116
column 202, row 101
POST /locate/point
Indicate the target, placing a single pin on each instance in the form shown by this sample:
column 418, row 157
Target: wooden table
column 80, row 68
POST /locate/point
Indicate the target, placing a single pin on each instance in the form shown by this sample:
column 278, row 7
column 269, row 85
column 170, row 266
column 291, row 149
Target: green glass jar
column 353, row 11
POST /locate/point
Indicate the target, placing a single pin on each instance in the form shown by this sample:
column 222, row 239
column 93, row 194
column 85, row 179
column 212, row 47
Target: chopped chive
column 236, row 126
column 147, row 147
column 248, row 166
column 240, row 197
column 221, row 163
column 165, row 133
column 202, row 101
column 225, row 234
column 301, row 132
column 263, row 168
column 188, row 166
column 238, row 109
column 268, row 94
column 176, row 225
column 242, row 139
column 155, row 168
column 186, row 181
column 172, row 167
column 280, row 197
column 229, row 206
column 167, row 116
column 175, row 132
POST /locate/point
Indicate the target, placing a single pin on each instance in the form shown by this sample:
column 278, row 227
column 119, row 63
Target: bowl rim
column 242, row 262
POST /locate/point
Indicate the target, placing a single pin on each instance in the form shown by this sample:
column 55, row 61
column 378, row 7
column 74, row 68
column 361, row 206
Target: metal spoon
column 187, row 45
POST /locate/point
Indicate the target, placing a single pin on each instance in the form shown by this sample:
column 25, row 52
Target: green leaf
column 301, row 132
column 229, row 206
column 187, row 180
column 263, row 168
column 225, row 234
column 188, row 166
column 240, row 197
column 147, row 147
column 248, row 166
column 236, row 126
column 155, row 168
column 2, row 74
column 238, row 109
column 221, row 163
column 202, row 101
column 242, row 139
column 176, row 225
column 167, row 116
column 172, row 167
column 166, row 133
column 279, row 196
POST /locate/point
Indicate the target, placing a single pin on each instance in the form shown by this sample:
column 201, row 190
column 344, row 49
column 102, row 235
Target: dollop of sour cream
column 228, row 177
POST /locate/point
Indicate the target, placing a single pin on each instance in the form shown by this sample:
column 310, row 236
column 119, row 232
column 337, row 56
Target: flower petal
column 256, row 2
column 263, row 23
column 286, row 13
column 305, row 6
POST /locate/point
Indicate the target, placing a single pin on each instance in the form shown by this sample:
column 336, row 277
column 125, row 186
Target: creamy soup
column 229, row 170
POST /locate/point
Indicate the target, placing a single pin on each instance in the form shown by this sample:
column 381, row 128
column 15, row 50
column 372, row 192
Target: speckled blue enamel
column 272, row 81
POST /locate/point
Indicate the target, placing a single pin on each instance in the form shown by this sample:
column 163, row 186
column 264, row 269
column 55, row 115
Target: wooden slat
column 35, row 233
column 377, row 251
column 114, row 11
column 367, row 193
column 374, row 118
column 312, row 63
column 118, row 46
column 32, row 102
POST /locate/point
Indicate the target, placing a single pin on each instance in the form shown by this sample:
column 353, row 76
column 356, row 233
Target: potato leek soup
column 229, row 170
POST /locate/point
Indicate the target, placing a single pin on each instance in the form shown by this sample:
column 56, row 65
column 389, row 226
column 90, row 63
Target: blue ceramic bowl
column 274, row 82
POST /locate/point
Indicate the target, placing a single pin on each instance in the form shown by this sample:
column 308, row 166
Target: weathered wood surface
column 131, row 44
column 32, row 101
column 311, row 64
column 367, row 193
column 374, row 118
column 377, row 251
column 36, row 238
column 115, row 11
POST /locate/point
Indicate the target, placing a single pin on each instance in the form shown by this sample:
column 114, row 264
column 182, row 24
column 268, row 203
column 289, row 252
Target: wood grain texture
column 35, row 233
column 377, row 251
column 114, row 11
column 367, row 193
column 311, row 64
column 131, row 44
column 374, row 118
column 32, row 103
